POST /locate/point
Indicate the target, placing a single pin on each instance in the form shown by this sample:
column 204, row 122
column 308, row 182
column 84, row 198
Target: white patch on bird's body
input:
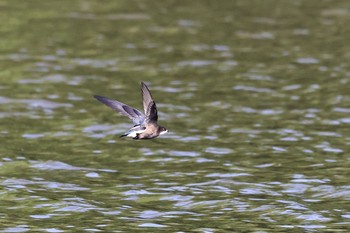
column 133, row 134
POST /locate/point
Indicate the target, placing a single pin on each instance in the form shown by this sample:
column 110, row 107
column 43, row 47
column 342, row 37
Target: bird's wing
column 149, row 105
column 135, row 115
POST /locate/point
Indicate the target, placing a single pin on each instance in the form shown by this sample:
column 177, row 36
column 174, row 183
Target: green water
column 255, row 95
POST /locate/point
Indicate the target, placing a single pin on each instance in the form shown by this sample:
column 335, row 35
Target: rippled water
column 254, row 93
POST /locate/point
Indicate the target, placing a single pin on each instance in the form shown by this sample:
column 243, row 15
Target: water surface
column 254, row 93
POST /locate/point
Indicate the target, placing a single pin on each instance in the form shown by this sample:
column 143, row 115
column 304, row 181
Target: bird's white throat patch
column 163, row 132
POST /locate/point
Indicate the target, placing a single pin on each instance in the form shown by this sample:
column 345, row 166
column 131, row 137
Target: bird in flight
column 145, row 124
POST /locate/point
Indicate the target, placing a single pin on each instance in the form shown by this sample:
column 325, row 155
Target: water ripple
column 252, row 89
column 57, row 165
column 184, row 153
column 196, row 63
column 218, row 150
column 227, row 175
column 23, row 183
column 76, row 205
column 155, row 225
column 19, row 228
column 307, row 60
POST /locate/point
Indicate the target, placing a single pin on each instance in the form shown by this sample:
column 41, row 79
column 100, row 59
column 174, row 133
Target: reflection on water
column 255, row 98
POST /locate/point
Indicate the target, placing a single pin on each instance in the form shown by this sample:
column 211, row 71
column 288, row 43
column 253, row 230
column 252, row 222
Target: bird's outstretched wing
column 149, row 105
column 135, row 115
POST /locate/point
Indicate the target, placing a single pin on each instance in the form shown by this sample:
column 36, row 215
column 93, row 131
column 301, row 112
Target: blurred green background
column 255, row 95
